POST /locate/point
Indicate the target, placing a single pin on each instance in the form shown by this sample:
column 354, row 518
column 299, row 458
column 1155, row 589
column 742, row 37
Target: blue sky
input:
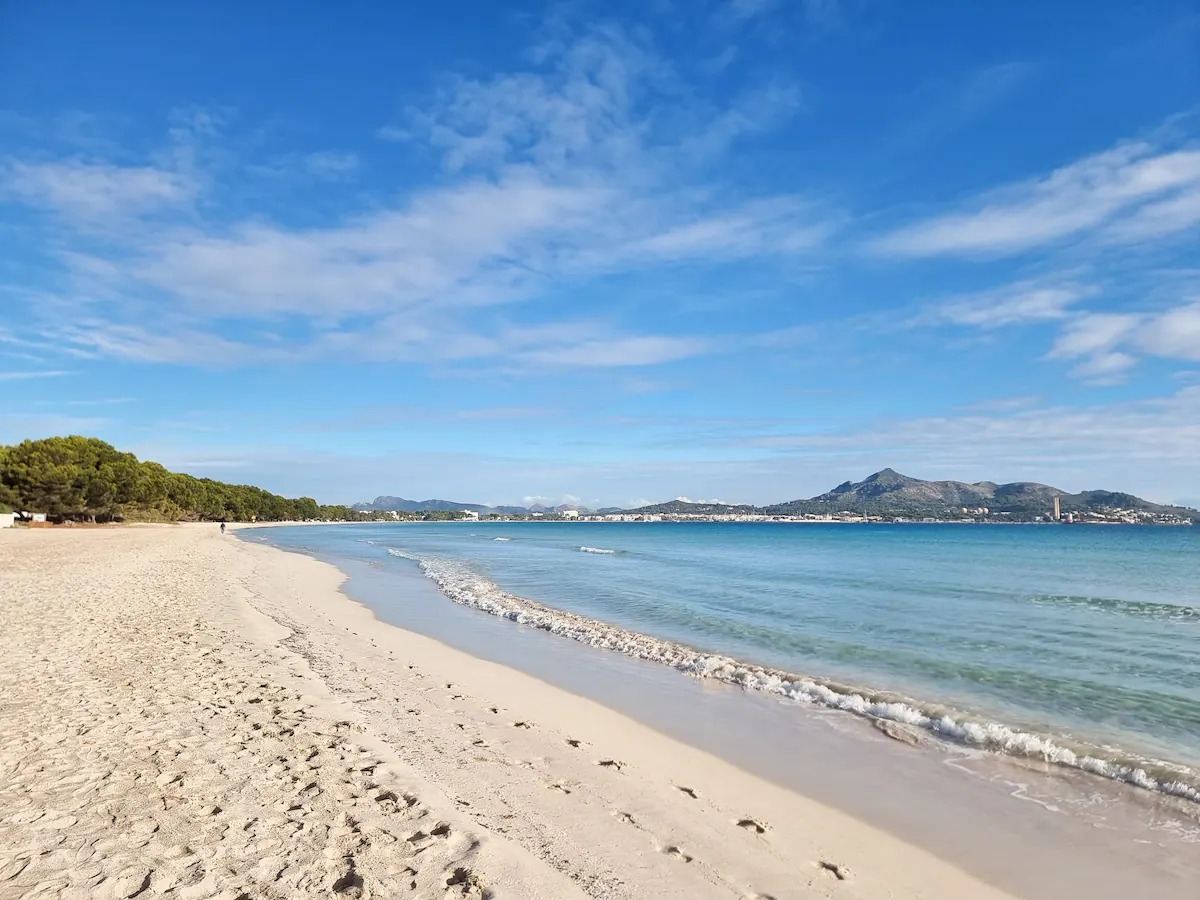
column 606, row 252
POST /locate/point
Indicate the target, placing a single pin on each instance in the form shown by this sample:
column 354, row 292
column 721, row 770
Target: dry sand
column 190, row 715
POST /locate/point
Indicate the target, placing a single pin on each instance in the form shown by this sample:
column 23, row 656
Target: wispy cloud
column 33, row 374
column 1016, row 304
column 99, row 339
column 1166, row 429
column 85, row 191
column 592, row 161
column 1164, row 217
column 1109, row 344
column 620, row 352
column 1105, row 368
column 1104, row 346
column 1154, row 189
column 103, row 401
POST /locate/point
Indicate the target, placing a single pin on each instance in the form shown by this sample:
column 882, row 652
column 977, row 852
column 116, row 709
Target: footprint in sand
column 440, row 830
column 751, row 825
column 676, row 853
column 467, row 884
column 841, row 873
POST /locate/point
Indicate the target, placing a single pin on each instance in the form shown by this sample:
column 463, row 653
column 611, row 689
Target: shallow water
column 1049, row 642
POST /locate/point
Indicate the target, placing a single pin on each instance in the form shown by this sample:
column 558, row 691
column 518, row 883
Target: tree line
column 85, row 479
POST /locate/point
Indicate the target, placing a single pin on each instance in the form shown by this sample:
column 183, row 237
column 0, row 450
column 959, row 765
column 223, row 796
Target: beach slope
column 189, row 715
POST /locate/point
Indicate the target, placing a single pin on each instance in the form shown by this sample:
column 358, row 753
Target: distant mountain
column 888, row 493
column 690, row 507
column 399, row 504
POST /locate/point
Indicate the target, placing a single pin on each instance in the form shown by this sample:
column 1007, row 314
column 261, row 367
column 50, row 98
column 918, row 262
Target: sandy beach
column 190, row 715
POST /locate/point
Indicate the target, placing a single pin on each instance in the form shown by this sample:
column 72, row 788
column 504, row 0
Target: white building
column 7, row 520
column 570, row 514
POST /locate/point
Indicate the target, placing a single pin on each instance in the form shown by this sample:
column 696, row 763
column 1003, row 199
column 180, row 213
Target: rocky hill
column 888, row 493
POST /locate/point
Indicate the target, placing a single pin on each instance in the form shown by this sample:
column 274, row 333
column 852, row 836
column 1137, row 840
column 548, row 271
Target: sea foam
column 601, row 550
column 468, row 588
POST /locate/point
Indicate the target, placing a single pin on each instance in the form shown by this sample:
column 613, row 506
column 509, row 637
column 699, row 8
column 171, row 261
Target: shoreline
column 594, row 750
column 936, row 720
column 195, row 768
column 993, row 801
column 706, row 521
column 907, row 716
column 463, row 776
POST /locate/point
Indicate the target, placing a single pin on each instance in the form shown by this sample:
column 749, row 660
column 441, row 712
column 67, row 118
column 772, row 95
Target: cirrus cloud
column 1155, row 190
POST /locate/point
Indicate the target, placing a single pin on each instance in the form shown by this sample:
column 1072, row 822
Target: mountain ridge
column 885, row 493
column 386, row 503
column 889, row 493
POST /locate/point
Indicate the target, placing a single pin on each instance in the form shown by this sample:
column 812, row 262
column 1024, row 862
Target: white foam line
column 597, row 550
column 470, row 589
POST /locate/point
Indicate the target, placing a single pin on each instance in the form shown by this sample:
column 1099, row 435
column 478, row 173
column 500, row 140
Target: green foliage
column 86, row 479
column 442, row 515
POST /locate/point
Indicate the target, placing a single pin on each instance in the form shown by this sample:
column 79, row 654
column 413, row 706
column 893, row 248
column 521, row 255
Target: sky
column 606, row 253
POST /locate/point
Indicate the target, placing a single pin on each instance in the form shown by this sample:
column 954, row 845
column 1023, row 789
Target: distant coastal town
column 962, row 516
column 884, row 497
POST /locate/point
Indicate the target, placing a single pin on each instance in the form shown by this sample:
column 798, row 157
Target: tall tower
column 1057, row 509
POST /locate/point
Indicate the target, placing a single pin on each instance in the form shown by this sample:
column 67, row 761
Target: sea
column 1076, row 647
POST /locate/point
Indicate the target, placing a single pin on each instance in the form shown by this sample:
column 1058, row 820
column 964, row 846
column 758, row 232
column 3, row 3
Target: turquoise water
column 1077, row 644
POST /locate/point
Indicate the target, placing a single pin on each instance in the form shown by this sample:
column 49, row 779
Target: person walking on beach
column 222, row 528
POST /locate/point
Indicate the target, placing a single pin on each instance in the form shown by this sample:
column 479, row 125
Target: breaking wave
column 468, row 588
column 497, row 540
column 598, row 550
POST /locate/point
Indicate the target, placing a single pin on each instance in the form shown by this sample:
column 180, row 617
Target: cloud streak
column 1017, row 304
column 84, row 192
column 33, row 374
column 1156, row 191
column 1109, row 344
column 591, row 162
